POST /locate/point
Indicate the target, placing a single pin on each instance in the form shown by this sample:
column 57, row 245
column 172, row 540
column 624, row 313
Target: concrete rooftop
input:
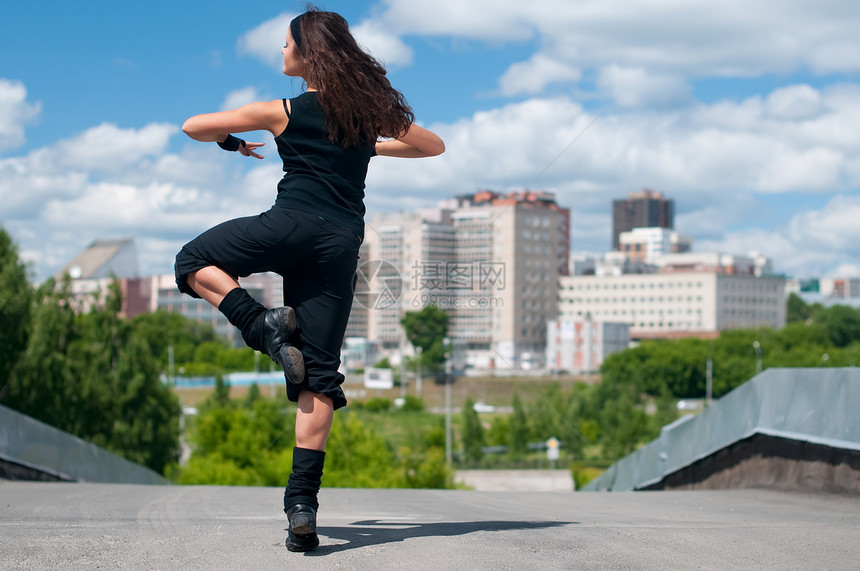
column 108, row 526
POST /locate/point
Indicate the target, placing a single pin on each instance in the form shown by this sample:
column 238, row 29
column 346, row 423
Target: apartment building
column 676, row 303
column 490, row 260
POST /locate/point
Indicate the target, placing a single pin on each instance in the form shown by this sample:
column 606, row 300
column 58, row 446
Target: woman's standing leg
column 322, row 295
column 313, row 426
column 313, row 420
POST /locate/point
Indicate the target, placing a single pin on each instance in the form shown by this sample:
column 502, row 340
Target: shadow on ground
column 374, row 532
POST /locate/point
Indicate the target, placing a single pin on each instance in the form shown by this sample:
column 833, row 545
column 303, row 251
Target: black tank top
column 321, row 177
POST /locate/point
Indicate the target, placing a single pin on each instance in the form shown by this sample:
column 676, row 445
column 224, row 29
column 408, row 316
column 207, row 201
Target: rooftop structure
column 105, row 258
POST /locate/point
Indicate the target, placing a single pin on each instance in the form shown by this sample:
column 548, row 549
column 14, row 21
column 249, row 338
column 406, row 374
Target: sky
column 746, row 114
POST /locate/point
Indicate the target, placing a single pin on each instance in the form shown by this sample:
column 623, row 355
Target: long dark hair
column 359, row 103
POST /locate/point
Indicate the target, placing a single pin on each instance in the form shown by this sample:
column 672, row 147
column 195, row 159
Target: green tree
column 473, row 433
column 796, row 309
column 91, row 376
column 125, row 407
column 356, row 456
column 240, row 445
column 252, row 396
column 45, row 383
column 842, row 324
column 519, row 428
column 16, row 296
column 164, row 329
column 427, row 329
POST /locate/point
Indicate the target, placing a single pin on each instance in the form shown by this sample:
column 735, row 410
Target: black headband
column 296, row 31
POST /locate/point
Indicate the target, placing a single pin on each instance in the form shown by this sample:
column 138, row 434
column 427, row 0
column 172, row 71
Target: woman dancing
column 326, row 137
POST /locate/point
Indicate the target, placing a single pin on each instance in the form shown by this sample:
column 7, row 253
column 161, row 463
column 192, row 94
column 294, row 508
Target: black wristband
column 231, row 143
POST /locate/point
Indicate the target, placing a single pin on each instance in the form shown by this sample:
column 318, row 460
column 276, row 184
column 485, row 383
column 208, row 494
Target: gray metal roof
column 812, row 405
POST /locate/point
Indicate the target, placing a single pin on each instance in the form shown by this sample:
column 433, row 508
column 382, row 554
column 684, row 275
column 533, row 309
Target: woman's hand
column 248, row 149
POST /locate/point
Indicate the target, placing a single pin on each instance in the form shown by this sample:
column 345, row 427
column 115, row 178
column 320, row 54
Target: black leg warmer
column 304, row 483
column 242, row 310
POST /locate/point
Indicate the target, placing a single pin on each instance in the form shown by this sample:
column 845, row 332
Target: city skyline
column 753, row 136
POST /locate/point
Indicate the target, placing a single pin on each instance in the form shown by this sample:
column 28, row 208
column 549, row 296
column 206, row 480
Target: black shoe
column 278, row 324
column 302, row 534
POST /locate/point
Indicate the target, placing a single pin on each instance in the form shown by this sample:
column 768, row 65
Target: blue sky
column 746, row 114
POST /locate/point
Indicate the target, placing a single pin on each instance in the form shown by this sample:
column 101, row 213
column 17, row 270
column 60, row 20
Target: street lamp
column 448, row 436
column 757, row 347
column 419, row 350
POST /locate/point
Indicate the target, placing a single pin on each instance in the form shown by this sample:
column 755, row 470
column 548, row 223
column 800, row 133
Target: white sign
column 379, row 379
column 552, row 449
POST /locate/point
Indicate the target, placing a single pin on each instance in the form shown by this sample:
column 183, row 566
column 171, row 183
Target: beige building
column 680, row 303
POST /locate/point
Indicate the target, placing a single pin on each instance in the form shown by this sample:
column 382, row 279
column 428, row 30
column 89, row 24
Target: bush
column 413, row 404
column 584, row 473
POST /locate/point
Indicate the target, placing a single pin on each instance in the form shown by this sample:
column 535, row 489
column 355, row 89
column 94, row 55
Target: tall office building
column 645, row 209
column 490, row 260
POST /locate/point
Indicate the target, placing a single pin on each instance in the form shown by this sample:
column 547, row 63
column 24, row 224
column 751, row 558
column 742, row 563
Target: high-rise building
column 645, row 209
column 404, row 270
column 490, row 260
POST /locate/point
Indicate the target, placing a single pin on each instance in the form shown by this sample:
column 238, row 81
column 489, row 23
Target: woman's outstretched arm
column 416, row 143
column 262, row 116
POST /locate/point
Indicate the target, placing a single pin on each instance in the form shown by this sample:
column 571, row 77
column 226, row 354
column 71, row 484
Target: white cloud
column 847, row 270
column 481, row 19
column 382, row 44
column 833, row 228
column 109, row 181
column 15, row 113
column 816, row 169
column 794, row 102
column 110, row 148
column 533, row 76
column 648, row 53
column 814, row 243
column 718, row 162
column 240, row 97
column 728, row 148
column 638, row 87
column 266, row 40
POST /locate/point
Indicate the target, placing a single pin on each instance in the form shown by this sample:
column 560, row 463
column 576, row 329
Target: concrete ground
column 88, row 526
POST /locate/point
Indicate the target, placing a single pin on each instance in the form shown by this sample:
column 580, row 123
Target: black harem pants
column 317, row 260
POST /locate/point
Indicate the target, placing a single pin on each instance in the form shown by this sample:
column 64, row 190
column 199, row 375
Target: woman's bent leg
column 212, row 284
